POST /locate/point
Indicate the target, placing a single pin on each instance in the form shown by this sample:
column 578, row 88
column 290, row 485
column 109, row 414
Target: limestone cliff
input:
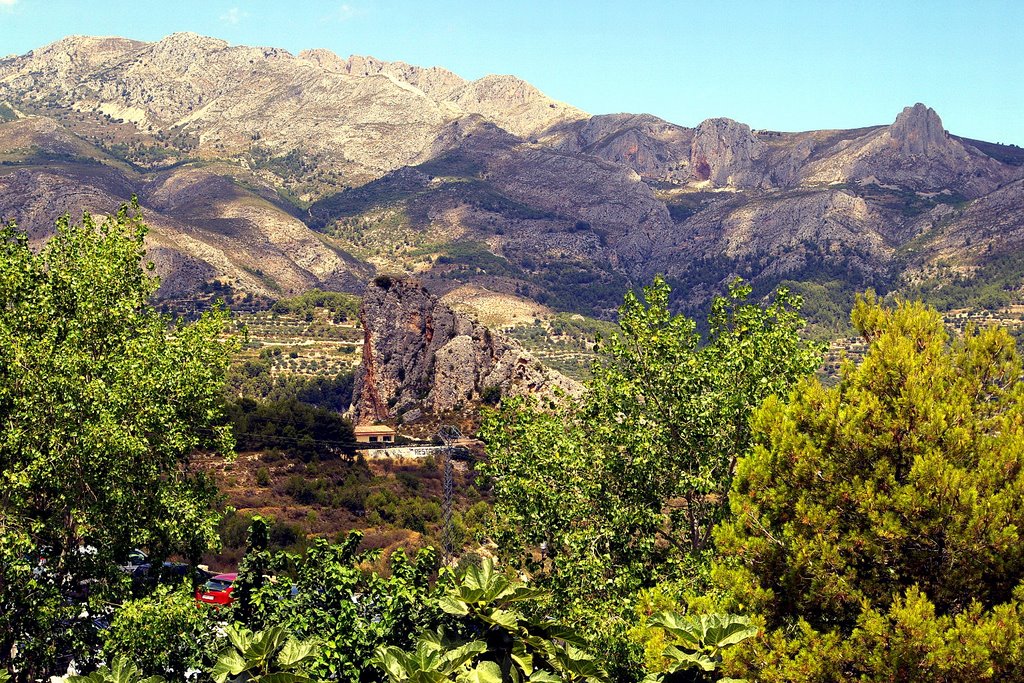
column 722, row 152
column 420, row 356
column 273, row 173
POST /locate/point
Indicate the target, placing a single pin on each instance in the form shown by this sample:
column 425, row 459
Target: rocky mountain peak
column 323, row 58
column 722, row 152
column 73, row 56
column 192, row 41
column 918, row 130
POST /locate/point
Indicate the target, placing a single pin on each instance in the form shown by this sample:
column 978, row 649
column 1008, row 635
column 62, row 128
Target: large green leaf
column 239, row 636
column 484, row 672
column 542, row 676
column 264, row 644
column 566, row 634
column 284, row 677
column 392, row 660
column 707, row 631
column 723, row 630
column 230, row 663
column 295, row 652
column 522, row 657
column 120, row 670
column 453, row 605
column 685, row 630
column 457, row 657
column 507, row 619
column 687, row 660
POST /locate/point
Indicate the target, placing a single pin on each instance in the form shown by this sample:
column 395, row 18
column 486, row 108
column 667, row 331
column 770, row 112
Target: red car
column 217, row 591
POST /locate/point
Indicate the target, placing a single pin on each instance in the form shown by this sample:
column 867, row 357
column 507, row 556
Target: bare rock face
column 913, row 152
column 226, row 146
column 420, row 355
column 361, row 117
column 723, row 152
column 654, row 148
column 918, row 131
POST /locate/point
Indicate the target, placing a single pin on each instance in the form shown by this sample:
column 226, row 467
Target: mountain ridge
column 373, row 166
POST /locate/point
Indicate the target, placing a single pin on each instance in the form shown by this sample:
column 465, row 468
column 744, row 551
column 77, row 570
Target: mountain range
column 266, row 173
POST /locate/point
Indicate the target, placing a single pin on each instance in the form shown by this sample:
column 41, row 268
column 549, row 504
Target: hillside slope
column 269, row 172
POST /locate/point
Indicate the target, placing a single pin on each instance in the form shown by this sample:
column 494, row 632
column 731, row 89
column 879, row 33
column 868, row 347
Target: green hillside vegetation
column 345, row 307
column 994, row 284
column 567, row 342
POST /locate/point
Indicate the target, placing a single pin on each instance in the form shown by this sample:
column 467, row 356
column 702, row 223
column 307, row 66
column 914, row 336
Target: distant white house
column 375, row 434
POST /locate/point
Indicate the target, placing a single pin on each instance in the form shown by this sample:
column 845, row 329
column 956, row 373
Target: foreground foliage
column 498, row 641
column 876, row 525
column 164, row 632
column 621, row 492
column 348, row 611
column 269, row 656
column 121, row 670
column 102, row 404
column 699, row 641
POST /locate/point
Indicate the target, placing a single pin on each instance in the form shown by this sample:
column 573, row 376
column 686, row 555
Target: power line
column 448, row 434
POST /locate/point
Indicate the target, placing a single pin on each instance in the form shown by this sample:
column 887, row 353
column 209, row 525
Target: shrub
column 164, row 633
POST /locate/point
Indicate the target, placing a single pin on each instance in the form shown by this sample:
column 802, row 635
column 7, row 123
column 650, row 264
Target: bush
column 263, row 477
column 165, row 633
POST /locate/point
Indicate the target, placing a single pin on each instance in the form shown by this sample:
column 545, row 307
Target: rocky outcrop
column 915, row 153
column 723, row 152
column 654, row 148
column 421, row 356
column 918, row 131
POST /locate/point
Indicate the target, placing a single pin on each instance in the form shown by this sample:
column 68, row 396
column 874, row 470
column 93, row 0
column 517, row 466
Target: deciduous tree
column 614, row 493
column 102, row 403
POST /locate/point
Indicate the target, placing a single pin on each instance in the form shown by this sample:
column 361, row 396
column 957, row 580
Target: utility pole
column 448, row 434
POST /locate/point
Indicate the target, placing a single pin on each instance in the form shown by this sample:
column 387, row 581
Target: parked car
column 217, row 591
column 140, row 567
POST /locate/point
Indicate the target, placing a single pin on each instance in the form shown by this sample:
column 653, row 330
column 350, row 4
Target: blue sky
column 790, row 65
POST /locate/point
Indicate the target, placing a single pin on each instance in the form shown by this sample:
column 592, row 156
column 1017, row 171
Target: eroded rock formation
column 420, row 356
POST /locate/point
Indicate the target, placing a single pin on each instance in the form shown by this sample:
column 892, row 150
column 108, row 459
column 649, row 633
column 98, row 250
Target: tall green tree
column 876, row 525
column 622, row 489
column 102, row 403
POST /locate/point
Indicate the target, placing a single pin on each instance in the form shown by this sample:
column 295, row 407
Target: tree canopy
column 623, row 489
column 102, row 403
column 876, row 525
